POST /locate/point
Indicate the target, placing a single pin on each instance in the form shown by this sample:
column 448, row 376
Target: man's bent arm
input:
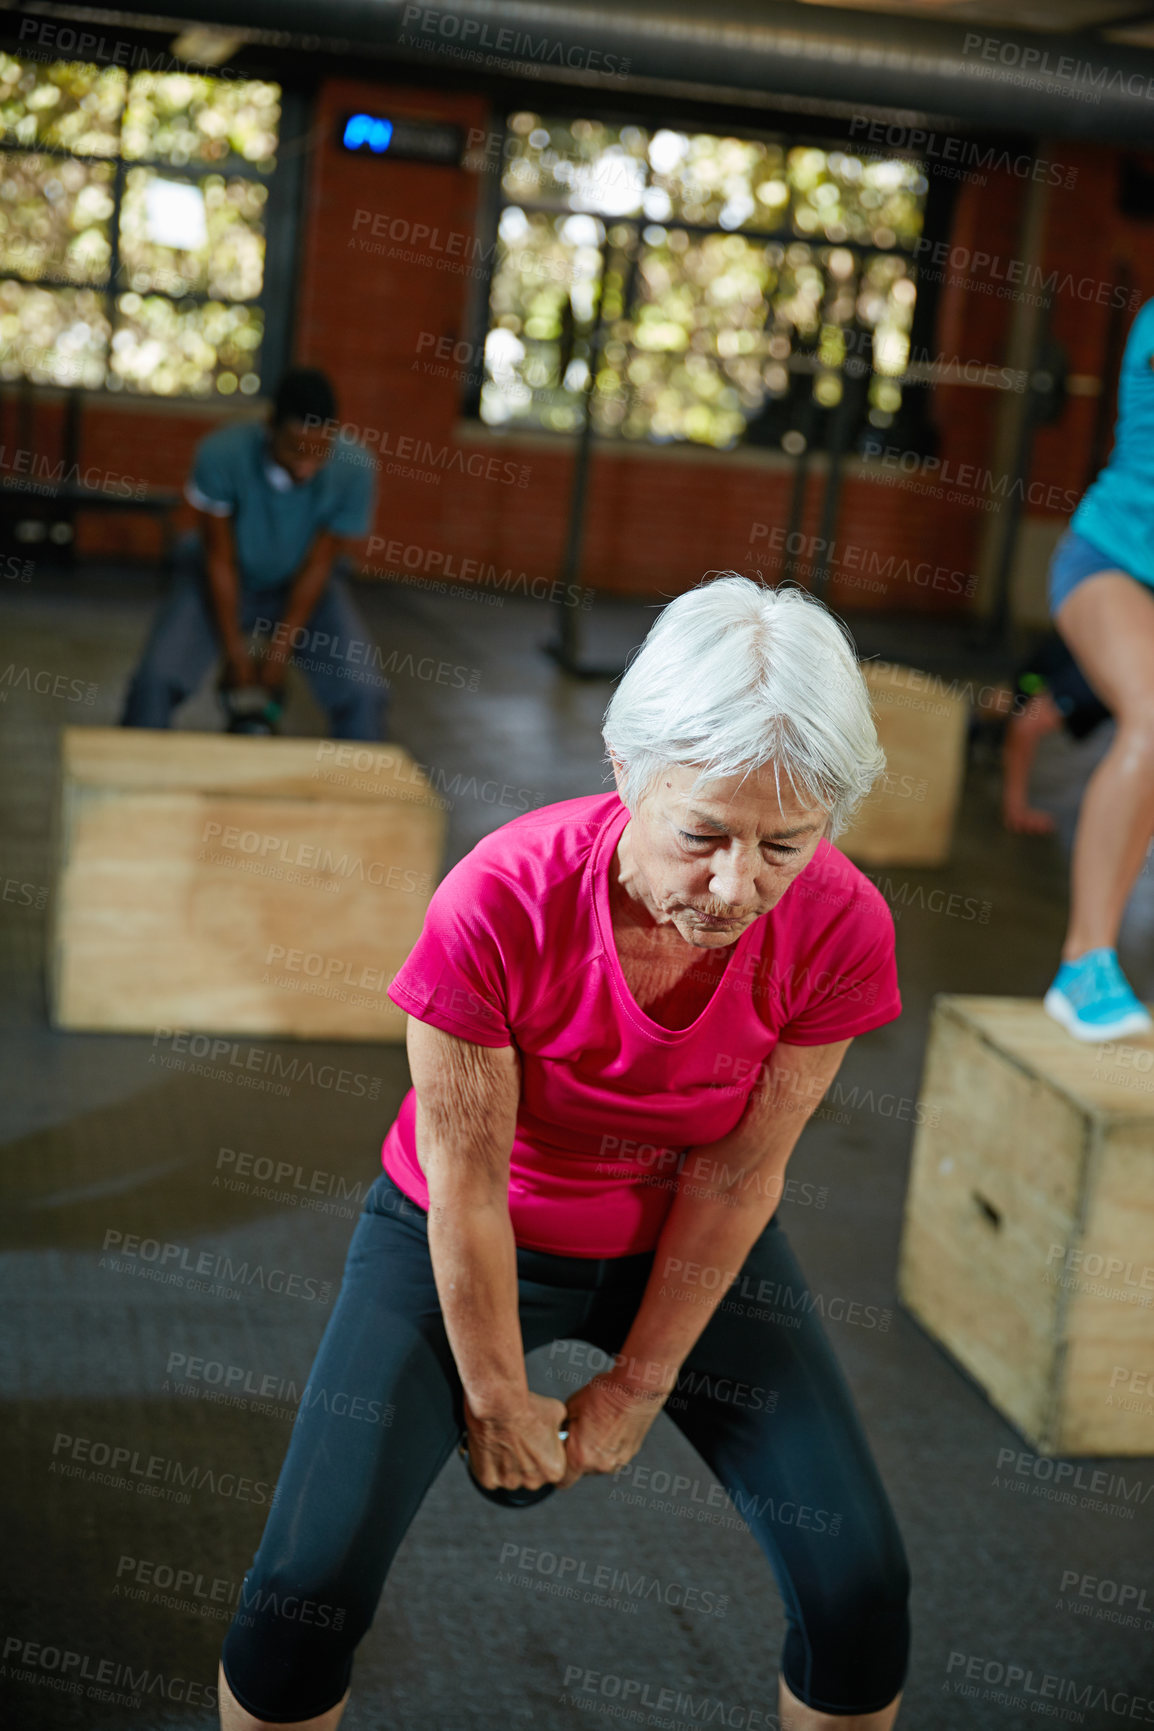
column 224, row 588
column 307, row 587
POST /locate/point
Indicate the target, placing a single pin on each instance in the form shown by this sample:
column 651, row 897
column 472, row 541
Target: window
column 734, row 277
column 133, row 227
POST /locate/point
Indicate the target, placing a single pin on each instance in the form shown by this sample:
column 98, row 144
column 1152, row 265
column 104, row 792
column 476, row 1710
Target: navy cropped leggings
column 382, row 1412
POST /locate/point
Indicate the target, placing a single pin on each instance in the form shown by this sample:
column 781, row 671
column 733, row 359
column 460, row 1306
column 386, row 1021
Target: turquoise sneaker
column 1091, row 997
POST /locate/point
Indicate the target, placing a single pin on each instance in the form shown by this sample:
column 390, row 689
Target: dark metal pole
column 1041, row 387
column 565, row 648
column 855, row 385
column 807, row 420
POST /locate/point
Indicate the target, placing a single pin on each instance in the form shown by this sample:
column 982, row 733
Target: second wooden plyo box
column 908, row 816
column 1028, row 1239
column 226, row 884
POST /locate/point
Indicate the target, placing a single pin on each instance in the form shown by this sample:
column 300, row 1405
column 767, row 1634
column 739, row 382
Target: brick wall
column 1087, row 243
column 385, row 257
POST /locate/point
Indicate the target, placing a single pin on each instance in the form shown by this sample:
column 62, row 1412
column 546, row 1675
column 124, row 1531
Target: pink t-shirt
column 517, row 949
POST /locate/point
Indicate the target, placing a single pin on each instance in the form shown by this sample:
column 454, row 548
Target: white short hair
column 735, row 675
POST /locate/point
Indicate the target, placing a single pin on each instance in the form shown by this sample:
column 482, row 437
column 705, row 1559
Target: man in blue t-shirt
column 281, row 509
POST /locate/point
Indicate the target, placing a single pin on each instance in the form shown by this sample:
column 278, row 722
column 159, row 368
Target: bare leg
column 998, row 705
column 1023, row 734
column 1108, row 623
column 234, row 1717
column 795, row 1716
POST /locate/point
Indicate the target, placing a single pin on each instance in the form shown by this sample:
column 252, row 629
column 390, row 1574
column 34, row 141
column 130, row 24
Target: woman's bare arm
column 727, row 1190
column 467, row 1098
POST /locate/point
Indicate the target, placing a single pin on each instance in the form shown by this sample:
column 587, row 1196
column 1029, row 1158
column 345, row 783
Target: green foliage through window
column 721, row 276
column 133, row 227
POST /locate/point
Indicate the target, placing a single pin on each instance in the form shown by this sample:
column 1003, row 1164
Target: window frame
column 937, row 202
column 283, row 215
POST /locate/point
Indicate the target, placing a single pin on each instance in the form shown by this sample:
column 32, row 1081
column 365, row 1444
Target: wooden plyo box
column 1028, row 1242
column 908, row 816
column 218, row 883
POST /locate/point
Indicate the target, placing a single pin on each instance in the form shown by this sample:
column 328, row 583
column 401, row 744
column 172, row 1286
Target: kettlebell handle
column 463, row 1445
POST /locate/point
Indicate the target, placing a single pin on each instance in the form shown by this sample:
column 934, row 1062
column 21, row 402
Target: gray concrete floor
column 98, row 1138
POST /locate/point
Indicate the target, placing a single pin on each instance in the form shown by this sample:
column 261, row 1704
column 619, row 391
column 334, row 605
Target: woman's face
column 711, row 864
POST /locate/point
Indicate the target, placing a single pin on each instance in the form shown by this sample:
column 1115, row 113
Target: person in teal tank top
column 1101, row 594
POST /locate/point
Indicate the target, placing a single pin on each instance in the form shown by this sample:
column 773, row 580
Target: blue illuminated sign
column 402, row 139
column 362, row 129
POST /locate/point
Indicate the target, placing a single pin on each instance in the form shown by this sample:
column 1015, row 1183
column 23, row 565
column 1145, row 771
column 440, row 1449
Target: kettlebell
column 252, row 709
column 520, row 1498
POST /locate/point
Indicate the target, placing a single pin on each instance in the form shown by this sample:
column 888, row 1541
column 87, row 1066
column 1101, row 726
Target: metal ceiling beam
column 747, row 50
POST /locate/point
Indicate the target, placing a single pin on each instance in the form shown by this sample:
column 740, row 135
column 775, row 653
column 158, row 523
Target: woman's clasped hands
column 521, row 1446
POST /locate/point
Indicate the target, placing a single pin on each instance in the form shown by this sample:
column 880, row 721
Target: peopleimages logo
column 99, row 1679
column 857, row 564
column 445, row 458
column 605, row 1578
column 60, row 40
column 1017, row 273
column 942, row 478
column 964, row 154
column 1026, row 1682
column 53, row 475
column 1085, row 78
column 175, row 1263
column 161, row 1470
column 474, row 36
column 631, row 1694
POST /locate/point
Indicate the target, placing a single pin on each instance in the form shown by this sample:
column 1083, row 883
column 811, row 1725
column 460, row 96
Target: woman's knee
column 850, row 1650
column 1131, row 749
column 288, row 1651
column 324, row 1602
column 877, row 1595
column 1134, row 718
column 864, row 1593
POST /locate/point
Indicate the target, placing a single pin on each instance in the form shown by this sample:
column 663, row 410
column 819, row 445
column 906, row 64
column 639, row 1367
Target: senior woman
column 679, row 965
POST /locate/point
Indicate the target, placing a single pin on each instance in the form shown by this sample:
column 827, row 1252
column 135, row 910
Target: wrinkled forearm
column 708, row 1233
column 467, row 1098
column 727, row 1191
column 475, row 1266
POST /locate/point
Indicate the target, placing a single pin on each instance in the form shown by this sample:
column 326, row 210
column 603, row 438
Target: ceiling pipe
column 743, row 51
